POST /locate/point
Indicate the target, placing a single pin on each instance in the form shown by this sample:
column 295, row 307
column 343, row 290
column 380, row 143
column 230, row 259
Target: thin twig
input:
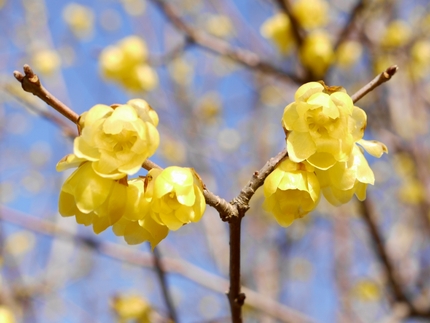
column 347, row 29
column 298, row 31
column 164, row 287
column 219, row 46
column 378, row 80
column 30, row 83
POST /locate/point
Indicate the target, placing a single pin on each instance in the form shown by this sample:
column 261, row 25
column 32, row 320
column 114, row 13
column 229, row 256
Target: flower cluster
column 126, row 63
column 113, row 143
column 325, row 153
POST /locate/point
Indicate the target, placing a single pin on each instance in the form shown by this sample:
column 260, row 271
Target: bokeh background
column 219, row 86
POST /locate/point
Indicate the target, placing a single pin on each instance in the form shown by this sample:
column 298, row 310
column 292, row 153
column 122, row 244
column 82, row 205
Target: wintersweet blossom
column 92, row 199
column 278, row 29
column 311, row 13
column 322, row 125
column 177, row 196
column 317, row 52
column 344, row 179
column 117, row 140
column 292, row 190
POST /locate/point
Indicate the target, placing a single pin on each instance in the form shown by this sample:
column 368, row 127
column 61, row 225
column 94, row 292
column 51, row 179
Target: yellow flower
column 344, row 179
column 126, row 63
column 348, row 53
column 219, row 26
column 311, row 13
column 317, row 52
column 140, row 77
column 135, row 232
column 132, row 307
column 6, row 315
column 322, row 125
column 278, row 29
column 396, row 35
column 92, row 199
column 46, row 61
column 117, row 140
column 292, row 190
column 177, row 196
column 80, row 19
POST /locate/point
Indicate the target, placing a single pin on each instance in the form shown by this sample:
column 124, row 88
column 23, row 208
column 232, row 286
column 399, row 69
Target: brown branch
column 143, row 259
column 368, row 213
column 378, row 80
column 161, row 273
column 30, row 83
column 298, row 31
column 219, row 46
column 347, row 29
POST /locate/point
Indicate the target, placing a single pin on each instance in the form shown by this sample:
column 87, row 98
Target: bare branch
column 347, row 29
column 30, row 83
column 378, row 80
column 216, row 45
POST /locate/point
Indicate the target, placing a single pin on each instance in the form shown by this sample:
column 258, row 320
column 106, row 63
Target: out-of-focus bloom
column 411, row 191
column 80, row 19
column 396, row 35
column 117, row 140
column 322, row 125
column 46, row 61
column 311, row 13
column 292, row 190
column 367, row 290
column 181, row 71
column 219, row 26
column 131, row 307
column 348, row 53
column 317, row 52
column 344, row 179
column 177, row 196
column 126, row 63
column 278, row 29
column 6, row 315
column 134, row 7
column 92, row 199
column 140, row 77
column 420, row 59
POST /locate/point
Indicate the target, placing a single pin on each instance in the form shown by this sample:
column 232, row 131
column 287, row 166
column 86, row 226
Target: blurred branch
column 30, row 83
column 347, row 29
column 378, row 80
column 165, row 289
column 136, row 257
column 243, row 56
column 396, row 285
column 298, row 31
column 45, row 114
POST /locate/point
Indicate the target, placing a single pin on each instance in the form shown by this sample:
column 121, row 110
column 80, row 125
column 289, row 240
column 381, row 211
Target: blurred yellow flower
column 411, row 191
column 6, row 315
column 177, row 197
column 278, row 29
column 117, row 140
column 348, row 53
column 126, row 63
column 317, row 52
column 311, row 13
column 322, row 125
column 181, row 71
column 396, row 35
column 367, row 290
column 46, row 61
column 219, row 26
column 131, row 307
column 80, row 19
column 291, row 191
